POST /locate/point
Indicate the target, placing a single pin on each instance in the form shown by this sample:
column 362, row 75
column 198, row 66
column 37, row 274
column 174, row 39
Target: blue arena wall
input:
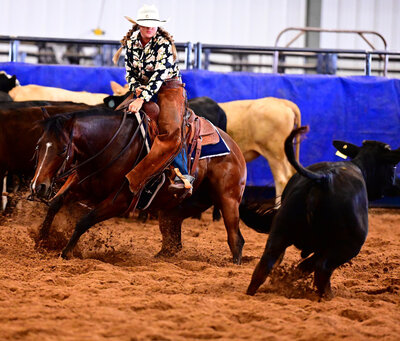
column 352, row 109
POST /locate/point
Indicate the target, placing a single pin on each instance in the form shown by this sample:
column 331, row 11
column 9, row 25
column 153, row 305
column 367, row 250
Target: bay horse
column 101, row 146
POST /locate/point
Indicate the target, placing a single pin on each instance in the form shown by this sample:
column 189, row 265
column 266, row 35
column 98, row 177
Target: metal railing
column 361, row 33
column 197, row 56
column 15, row 41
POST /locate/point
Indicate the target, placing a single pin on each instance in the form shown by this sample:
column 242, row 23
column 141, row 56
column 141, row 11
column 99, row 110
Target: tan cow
column 259, row 127
column 33, row 92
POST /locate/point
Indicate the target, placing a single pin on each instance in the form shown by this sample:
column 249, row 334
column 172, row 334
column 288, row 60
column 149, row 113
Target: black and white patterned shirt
column 149, row 65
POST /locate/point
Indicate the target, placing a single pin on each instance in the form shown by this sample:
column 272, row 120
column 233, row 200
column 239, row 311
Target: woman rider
column 152, row 72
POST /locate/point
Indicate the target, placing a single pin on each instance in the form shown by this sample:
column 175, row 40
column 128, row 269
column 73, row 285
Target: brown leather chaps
column 172, row 102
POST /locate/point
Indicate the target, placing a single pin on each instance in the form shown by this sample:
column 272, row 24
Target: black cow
column 324, row 210
column 5, row 97
column 7, row 82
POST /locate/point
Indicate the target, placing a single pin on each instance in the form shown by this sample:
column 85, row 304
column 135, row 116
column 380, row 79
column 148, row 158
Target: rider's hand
column 136, row 105
column 139, row 90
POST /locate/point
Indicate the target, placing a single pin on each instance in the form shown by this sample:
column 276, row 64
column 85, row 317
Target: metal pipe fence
column 199, row 55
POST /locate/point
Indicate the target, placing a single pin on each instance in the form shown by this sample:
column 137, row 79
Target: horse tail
column 297, row 124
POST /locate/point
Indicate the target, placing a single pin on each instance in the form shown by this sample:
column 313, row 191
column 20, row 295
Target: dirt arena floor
column 114, row 288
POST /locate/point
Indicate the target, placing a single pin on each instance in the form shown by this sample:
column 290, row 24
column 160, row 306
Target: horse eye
column 63, row 151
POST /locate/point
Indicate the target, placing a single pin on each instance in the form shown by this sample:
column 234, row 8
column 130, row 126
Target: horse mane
column 55, row 125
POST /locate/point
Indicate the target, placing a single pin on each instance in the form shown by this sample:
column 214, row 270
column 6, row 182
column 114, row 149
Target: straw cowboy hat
column 148, row 16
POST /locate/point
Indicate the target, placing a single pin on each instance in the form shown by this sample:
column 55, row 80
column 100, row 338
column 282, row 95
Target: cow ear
column 348, row 149
column 393, row 156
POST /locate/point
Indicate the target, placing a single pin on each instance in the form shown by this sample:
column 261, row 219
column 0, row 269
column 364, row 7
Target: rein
column 120, row 153
column 74, row 168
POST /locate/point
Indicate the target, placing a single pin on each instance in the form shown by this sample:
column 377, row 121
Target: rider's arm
column 131, row 75
column 165, row 67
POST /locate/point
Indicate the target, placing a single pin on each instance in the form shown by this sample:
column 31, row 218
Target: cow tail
column 318, row 177
column 257, row 216
column 297, row 124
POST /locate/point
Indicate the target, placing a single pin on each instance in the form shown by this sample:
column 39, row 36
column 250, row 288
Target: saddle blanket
column 212, row 150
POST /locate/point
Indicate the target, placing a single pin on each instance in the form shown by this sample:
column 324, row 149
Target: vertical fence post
column 368, row 59
column 13, row 52
column 275, row 62
column 198, row 55
column 188, row 60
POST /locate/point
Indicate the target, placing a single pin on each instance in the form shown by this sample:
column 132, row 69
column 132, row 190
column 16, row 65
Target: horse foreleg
column 54, row 206
column 230, row 213
column 170, row 227
column 107, row 209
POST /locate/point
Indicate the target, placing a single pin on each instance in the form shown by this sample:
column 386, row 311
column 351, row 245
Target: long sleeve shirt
column 149, row 65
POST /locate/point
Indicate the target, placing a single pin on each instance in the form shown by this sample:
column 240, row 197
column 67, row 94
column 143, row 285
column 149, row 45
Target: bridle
column 62, row 173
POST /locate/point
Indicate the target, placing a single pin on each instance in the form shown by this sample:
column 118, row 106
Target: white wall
column 381, row 16
column 238, row 22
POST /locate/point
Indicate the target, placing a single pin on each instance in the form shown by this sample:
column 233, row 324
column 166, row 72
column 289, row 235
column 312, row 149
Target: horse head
column 54, row 153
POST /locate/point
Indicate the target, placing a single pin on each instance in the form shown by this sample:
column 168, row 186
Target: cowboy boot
column 181, row 186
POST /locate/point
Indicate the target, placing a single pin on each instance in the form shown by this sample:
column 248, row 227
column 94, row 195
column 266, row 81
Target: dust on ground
column 115, row 289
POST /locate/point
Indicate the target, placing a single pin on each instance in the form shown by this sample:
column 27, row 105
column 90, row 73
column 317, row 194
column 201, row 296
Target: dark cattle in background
column 324, row 210
column 4, row 97
column 7, row 82
column 209, row 109
column 18, row 138
column 202, row 106
column 27, row 104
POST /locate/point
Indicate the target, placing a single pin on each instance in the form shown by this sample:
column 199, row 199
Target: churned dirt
column 114, row 288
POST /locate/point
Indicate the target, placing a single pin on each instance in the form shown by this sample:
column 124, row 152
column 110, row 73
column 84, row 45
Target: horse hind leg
column 230, row 214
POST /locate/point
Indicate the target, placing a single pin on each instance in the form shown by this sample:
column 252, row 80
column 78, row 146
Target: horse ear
column 346, row 148
column 45, row 113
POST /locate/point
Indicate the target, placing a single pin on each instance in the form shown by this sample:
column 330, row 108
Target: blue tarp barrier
column 352, row 109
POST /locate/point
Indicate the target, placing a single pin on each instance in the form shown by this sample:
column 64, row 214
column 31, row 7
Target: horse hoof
column 165, row 254
column 65, row 255
column 237, row 260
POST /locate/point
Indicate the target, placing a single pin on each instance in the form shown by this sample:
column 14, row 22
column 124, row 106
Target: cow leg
column 107, row 209
column 273, row 254
column 281, row 171
column 230, row 214
column 328, row 261
column 307, row 265
column 170, row 224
